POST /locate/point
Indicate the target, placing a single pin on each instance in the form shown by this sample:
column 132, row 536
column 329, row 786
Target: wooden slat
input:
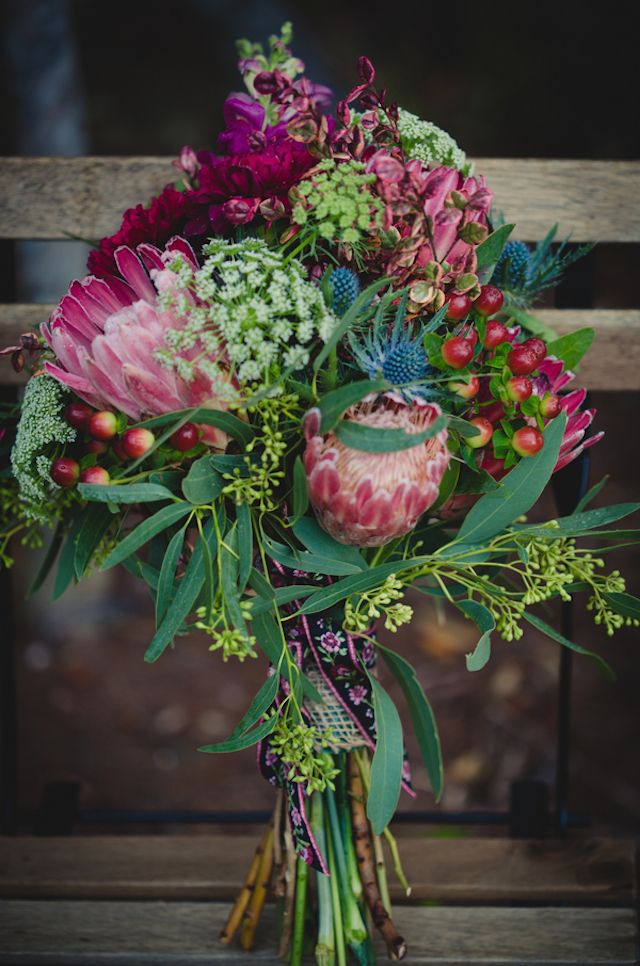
column 163, row 934
column 605, row 366
column 54, row 197
column 211, row 867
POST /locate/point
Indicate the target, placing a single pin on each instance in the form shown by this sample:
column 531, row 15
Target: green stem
column 325, row 950
column 335, row 899
column 302, row 878
column 355, row 929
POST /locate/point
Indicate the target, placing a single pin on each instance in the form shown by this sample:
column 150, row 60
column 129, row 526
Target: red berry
column 470, row 333
column 103, row 425
column 538, row 347
column 457, row 352
column 550, row 406
column 96, row 446
column 485, row 434
column 65, row 471
column 519, row 388
column 494, row 467
column 118, row 451
column 96, row 475
column 495, row 333
column 489, row 301
column 136, row 442
column 466, row 389
column 186, row 437
column 458, row 307
column 522, row 361
column 77, row 414
column 527, row 441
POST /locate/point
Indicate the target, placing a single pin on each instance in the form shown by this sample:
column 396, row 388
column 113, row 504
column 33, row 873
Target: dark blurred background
column 511, row 80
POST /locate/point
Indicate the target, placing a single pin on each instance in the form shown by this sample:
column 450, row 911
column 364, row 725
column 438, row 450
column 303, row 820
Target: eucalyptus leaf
column 327, row 597
column 624, row 604
column 422, row 717
column 125, row 492
column 371, row 439
column 245, row 544
column 166, row 581
column 202, row 484
column 66, row 572
column 300, row 489
column 591, row 494
column 318, row 541
column 96, row 522
column 48, row 561
column 490, row 250
column 242, row 741
column 229, row 571
column 157, row 523
column 572, row 347
column 227, row 422
column 269, row 637
column 308, row 562
column 555, row 635
column 388, row 759
column 518, row 491
column 484, row 621
column 260, row 704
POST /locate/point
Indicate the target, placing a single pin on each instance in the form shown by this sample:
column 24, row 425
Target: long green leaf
column 227, row 422
column 489, row 251
column 555, row 635
column 268, row 636
column 157, row 523
column 518, row 491
column 203, row 483
column 166, row 581
column 357, row 584
column 96, row 523
column 229, row 570
column 484, row 621
column 186, row 594
column 311, row 563
column 260, row 704
column 125, row 492
column 422, row 716
column 300, row 489
column 334, row 403
column 318, row 541
column 591, row 494
column 388, row 759
column 66, row 571
column 245, row 544
column 572, row 347
column 47, row 562
column 371, row 439
column 624, row 604
column 242, row 741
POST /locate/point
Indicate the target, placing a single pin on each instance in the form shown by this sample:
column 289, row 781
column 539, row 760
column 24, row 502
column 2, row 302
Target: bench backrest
column 59, row 198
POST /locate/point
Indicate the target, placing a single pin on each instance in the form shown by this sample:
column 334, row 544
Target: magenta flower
column 366, row 499
column 105, row 334
column 553, row 377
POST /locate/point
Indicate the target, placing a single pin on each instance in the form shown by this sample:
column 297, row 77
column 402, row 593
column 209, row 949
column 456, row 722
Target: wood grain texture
column 166, row 934
column 604, row 367
column 596, row 871
column 54, row 197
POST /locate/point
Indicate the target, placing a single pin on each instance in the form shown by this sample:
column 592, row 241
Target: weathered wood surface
column 604, row 367
column 580, row 871
column 166, row 934
column 57, row 197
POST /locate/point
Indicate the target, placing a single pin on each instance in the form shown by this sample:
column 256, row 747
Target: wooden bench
column 129, row 900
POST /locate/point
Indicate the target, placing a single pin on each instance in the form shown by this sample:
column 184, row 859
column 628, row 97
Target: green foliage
column 386, row 767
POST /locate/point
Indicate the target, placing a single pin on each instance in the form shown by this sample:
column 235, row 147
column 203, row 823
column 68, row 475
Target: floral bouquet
column 293, row 386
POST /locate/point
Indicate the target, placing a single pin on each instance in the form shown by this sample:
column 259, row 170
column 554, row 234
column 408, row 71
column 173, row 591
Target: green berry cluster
column 376, row 603
column 300, row 748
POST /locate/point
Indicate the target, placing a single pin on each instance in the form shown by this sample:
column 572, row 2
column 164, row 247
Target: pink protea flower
column 105, row 334
column 553, row 377
column 366, row 499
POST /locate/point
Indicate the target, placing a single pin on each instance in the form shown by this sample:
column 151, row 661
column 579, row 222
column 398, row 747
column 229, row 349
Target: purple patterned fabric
column 319, row 644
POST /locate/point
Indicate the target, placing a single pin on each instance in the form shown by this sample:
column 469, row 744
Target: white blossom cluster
column 427, row 142
column 41, row 427
column 249, row 313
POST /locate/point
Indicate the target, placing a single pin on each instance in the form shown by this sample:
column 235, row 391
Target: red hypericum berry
column 458, row 307
column 470, row 333
column 65, row 471
column 494, row 467
column 522, row 361
column 457, row 352
column 519, row 388
column 495, row 334
column 466, row 389
column 550, row 406
column 538, row 347
column 77, row 414
column 96, row 446
column 118, row 451
column 102, row 425
column 485, row 434
column 489, row 301
column 186, row 437
column 96, row 475
column 136, row 442
column 527, row 441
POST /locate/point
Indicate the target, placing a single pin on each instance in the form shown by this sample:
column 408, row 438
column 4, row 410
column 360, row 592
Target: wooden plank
column 55, row 197
column 595, row 871
column 162, row 934
column 605, row 366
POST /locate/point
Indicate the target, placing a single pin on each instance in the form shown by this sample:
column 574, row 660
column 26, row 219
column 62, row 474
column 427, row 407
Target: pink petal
column 131, row 269
column 82, row 387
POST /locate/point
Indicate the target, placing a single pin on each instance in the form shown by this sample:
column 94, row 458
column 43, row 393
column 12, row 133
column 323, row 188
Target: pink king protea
column 366, row 499
column 105, row 334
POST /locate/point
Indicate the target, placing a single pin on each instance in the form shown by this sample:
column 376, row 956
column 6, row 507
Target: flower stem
column 244, row 896
column 302, row 878
column 335, row 899
column 325, row 950
column 355, row 929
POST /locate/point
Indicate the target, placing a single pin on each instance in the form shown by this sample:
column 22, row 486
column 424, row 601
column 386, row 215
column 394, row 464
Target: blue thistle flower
column 513, row 263
column 523, row 273
column 345, row 287
column 396, row 355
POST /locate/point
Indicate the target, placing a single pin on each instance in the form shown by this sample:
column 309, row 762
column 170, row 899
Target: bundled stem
column 278, row 856
column 396, row 946
column 259, row 895
column 289, row 890
column 325, row 949
column 245, row 894
column 335, row 899
column 381, row 873
column 302, row 878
